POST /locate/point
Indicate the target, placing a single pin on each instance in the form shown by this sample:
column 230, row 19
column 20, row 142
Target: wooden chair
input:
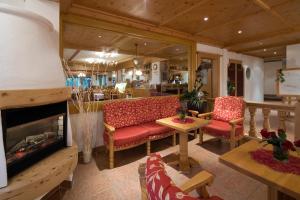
column 153, row 171
column 226, row 120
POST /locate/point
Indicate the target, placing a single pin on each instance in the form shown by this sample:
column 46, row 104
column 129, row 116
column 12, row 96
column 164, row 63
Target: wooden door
column 235, row 78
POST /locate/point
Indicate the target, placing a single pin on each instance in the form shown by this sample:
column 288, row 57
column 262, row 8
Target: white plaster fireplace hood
column 29, row 49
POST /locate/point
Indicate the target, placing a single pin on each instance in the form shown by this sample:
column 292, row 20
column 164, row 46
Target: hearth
column 32, row 133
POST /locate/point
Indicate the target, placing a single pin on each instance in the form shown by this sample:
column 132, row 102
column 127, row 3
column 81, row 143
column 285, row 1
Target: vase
column 280, row 154
column 87, row 156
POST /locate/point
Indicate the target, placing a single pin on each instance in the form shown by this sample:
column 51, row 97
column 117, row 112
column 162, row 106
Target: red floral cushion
column 128, row 135
column 169, row 106
column 155, row 129
column 120, row 113
column 228, row 108
column 221, row 128
column 148, row 109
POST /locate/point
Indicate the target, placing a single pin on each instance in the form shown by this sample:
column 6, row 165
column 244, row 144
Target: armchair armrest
column 203, row 115
column 202, row 179
column 109, row 128
column 235, row 121
column 193, row 112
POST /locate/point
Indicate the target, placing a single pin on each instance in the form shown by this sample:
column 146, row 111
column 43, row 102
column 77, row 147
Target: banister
column 272, row 105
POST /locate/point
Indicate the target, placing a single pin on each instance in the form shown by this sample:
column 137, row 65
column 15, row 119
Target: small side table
column 183, row 129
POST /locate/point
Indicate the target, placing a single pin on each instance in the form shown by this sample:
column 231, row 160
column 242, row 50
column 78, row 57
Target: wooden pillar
column 252, row 131
column 272, row 193
column 183, row 148
column 266, row 113
column 281, row 116
column 297, row 121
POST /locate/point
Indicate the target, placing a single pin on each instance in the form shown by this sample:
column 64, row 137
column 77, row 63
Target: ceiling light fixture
column 99, row 36
column 260, row 43
column 137, row 61
column 145, row 43
column 275, row 52
column 205, row 19
column 240, row 31
column 265, row 49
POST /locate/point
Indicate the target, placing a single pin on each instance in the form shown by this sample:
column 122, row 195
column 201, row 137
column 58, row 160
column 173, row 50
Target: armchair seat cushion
column 221, row 129
column 155, row 129
column 128, row 136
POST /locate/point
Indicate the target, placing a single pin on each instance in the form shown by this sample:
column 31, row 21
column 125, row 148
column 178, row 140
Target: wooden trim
column 74, row 55
column 43, row 176
column 33, row 97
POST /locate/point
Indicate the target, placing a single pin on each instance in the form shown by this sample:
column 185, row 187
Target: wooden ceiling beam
column 74, row 54
column 273, row 12
column 182, row 12
column 261, row 37
column 138, row 24
column 159, row 49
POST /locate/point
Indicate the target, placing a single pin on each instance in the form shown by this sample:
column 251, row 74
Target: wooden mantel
column 42, row 177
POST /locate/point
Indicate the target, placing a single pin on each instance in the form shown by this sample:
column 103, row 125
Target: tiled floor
column 95, row 181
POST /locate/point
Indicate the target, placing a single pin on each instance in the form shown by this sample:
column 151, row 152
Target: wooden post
column 148, row 147
column 183, row 156
column 200, row 136
column 266, row 112
column 297, row 121
column 281, row 116
column 111, row 152
column 272, row 193
column 252, row 131
column 174, row 138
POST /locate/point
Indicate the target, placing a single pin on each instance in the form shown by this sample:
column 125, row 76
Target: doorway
column 235, row 82
column 211, row 73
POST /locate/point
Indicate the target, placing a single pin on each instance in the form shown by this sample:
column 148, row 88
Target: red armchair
column 156, row 184
column 226, row 120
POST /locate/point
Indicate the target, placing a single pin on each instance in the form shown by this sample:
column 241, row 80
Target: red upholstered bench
column 131, row 122
column 156, row 184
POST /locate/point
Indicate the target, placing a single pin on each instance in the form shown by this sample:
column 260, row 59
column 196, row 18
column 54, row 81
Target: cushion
column 148, row 109
column 158, row 184
column 120, row 113
column 169, row 106
column 155, row 129
column 228, row 108
column 221, row 128
column 128, row 135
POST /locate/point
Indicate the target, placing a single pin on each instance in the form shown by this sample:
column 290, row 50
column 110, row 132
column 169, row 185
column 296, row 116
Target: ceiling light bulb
column 275, row 52
column 177, row 49
column 138, row 72
column 265, row 49
column 145, row 43
column 240, row 31
column 99, row 36
column 205, row 18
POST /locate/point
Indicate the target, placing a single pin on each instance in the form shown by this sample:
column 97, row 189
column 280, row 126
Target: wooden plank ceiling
column 266, row 26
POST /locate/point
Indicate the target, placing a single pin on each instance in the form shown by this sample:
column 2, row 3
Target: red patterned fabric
column 160, row 186
column 155, row 129
column 128, row 135
column 169, row 106
column 228, row 108
column 148, row 109
column 221, row 129
column 120, row 113
column 265, row 157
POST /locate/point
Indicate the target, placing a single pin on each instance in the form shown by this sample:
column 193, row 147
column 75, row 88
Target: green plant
column 193, row 98
column 280, row 76
column 230, row 87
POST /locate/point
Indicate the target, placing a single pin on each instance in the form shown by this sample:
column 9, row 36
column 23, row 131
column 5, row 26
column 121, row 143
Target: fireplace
column 32, row 133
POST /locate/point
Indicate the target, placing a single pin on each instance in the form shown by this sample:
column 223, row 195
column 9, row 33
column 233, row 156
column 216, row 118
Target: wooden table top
column 198, row 123
column 240, row 160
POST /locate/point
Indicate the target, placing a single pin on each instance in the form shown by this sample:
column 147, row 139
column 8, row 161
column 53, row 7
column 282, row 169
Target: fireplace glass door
column 32, row 133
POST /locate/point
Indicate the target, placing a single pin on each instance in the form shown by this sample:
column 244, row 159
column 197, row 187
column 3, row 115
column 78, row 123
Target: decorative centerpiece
column 182, row 112
column 281, row 145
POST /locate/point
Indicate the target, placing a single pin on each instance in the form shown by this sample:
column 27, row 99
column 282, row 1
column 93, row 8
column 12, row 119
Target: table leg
column 272, row 193
column 184, row 164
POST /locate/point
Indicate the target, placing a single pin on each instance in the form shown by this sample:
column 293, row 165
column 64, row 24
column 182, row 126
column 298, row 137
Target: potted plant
column 195, row 99
column 281, row 145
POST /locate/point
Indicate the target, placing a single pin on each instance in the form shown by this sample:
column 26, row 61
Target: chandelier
column 137, row 61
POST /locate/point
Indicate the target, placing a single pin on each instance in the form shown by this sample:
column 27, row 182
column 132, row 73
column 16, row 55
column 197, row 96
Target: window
column 235, row 81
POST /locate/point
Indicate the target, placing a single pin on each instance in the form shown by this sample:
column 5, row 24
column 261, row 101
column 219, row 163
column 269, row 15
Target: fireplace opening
column 32, row 133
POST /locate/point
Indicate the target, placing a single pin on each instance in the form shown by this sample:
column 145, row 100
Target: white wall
column 270, row 73
column 293, row 56
column 253, row 90
column 29, row 45
column 155, row 74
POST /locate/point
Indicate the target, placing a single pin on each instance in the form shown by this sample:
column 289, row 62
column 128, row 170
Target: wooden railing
column 282, row 109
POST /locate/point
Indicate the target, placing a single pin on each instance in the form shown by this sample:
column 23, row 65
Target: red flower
column 287, row 145
column 297, row 143
column 273, row 134
column 265, row 134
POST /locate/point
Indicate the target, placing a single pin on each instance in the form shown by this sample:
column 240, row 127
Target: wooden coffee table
column 183, row 130
column 240, row 159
